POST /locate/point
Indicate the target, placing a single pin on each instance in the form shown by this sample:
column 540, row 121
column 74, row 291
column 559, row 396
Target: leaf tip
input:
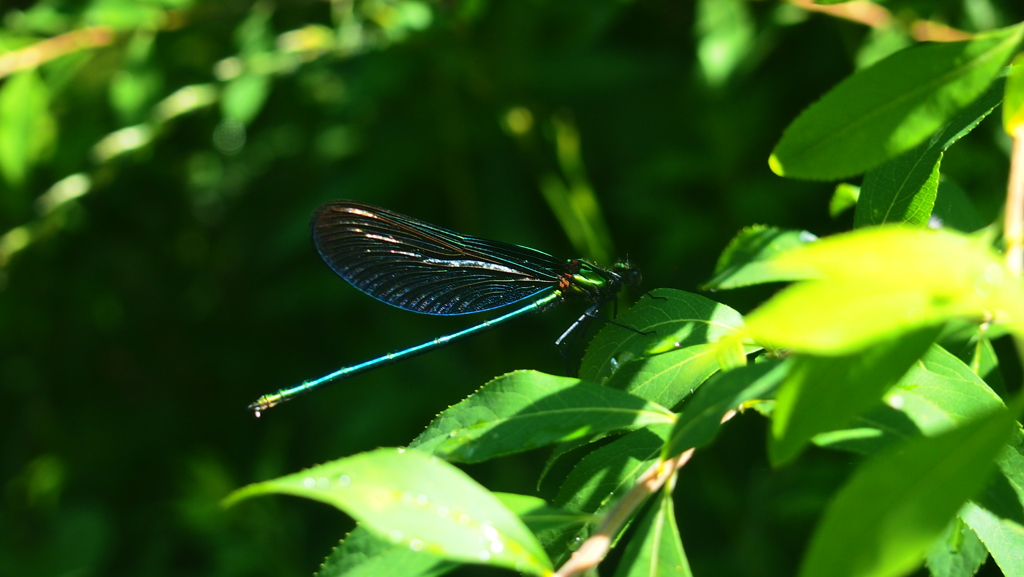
column 776, row 165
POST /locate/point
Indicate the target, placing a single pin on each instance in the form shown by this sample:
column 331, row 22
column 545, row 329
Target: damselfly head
column 628, row 273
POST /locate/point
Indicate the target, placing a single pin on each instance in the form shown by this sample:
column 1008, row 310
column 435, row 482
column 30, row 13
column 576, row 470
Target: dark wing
column 424, row 268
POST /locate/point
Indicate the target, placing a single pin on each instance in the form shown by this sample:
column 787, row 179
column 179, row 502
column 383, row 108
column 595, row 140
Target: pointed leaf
column 701, row 417
column 364, row 554
column 957, row 553
column 747, row 259
column 656, row 549
column 418, row 501
column 879, row 282
column 667, row 378
column 1003, row 538
column 940, row 392
column 538, row 515
column 525, row 410
column 661, row 321
column 899, row 502
column 844, row 197
column 825, row 393
column 891, row 107
column 598, row 479
column 904, row 189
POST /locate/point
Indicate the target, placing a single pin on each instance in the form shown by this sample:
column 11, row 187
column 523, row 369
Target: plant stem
column 46, row 50
column 596, row 547
column 1013, row 225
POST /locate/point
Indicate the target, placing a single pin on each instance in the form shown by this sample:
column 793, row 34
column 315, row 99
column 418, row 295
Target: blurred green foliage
column 159, row 161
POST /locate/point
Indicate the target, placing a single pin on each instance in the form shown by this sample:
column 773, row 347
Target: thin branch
column 596, row 547
column 1013, row 225
column 42, row 52
column 860, row 11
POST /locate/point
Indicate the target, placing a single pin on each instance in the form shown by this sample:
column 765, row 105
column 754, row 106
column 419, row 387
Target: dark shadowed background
column 157, row 274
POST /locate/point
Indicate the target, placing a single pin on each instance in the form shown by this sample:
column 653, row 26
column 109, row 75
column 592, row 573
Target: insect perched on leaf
column 427, row 269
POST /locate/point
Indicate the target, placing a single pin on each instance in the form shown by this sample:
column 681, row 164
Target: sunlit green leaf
column 940, row 392
column 663, row 320
column 1003, row 538
column 899, row 502
column 891, row 107
column 124, row 14
column 877, row 283
column 420, row 502
column 957, row 552
column 701, row 417
column 365, row 554
column 134, row 87
column 243, row 97
column 904, row 189
column 824, row 393
column 844, row 198
column 747, row 259
column 26, row 127
column 667, row 378
column 725, row 32
column 525, row 410
column 881, row 42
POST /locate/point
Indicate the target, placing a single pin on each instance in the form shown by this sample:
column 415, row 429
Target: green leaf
column 667, row 378
column 608, row 469
column 1004, row 495
column 725, row 36
column 701, row 417
column 747, row 259
column 900, row 501
column 1013, row 105
column 243, row 97
column 672, row 319
column 825, row 393
column 957, row 553
column 656, row 548
column 538, row 515
column 954, row 209
column 940, row 392
column 870, row 432
column 124, row 14
column 420, row 502
column 878, row 283
column 844, row 198
column 135, row 86
column 891, row 107
column 1003, row 538
column 904, row 189
column 985, row 363
column 880, row 43
column 27, row 128
column 596, row 482
column 525, row 410
column 364, row 554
